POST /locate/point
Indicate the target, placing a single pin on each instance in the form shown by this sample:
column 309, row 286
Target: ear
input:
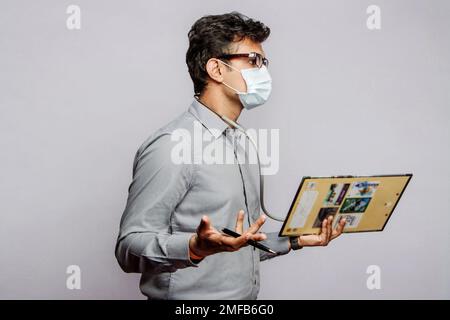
column 215, row 69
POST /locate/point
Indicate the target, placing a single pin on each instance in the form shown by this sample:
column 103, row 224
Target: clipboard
column 367, row 203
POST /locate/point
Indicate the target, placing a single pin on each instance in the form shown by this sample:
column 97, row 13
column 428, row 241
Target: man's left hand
column 325, row 236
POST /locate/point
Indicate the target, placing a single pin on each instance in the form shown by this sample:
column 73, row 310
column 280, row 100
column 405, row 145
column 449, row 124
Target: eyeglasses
column 254, row 58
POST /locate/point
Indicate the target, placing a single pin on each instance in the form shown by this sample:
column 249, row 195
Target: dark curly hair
column 211, row 36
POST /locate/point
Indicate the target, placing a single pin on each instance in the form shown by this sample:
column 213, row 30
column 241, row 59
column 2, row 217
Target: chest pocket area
column 225, row 179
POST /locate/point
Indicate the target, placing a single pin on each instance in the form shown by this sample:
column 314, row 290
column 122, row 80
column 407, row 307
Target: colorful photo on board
column 335, row 194
column 355, row 205
column 351, row 220
column 363, row 189
column 323, row 213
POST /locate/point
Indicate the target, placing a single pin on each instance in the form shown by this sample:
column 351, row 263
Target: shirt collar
column 208, row 118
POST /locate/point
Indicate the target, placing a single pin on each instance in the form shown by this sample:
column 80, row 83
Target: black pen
column 250, row 242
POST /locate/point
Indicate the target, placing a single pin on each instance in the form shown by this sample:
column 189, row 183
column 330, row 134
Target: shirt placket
column 234, row 137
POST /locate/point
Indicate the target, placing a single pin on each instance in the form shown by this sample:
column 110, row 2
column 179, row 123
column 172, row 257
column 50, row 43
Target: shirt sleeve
column 279, row 244
column 146, row 240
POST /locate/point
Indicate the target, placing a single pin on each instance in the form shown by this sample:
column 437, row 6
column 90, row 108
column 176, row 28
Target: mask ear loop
column 237, row 91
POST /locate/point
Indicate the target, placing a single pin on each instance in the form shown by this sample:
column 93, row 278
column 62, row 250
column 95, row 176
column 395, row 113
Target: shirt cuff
column 178, row 248
column 278, row 244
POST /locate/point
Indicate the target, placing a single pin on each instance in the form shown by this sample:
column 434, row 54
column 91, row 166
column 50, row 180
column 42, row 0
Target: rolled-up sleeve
column 278, row 244
column 146, row 240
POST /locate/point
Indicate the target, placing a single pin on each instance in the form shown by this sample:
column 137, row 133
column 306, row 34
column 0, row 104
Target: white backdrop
column 76, row 104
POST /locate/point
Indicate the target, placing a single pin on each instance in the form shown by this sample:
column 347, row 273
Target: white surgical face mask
column 259, row 86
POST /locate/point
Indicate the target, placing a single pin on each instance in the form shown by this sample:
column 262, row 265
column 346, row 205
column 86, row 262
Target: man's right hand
column 208, row 240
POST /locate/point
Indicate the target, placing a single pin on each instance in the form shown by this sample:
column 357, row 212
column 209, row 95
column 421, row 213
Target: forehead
column 246, row 45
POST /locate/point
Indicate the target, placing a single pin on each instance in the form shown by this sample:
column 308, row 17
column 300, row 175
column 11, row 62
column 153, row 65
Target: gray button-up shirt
column 166, row 201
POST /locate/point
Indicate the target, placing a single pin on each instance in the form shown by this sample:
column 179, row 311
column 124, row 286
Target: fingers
column 240, row 222
column 324, row 234
column 330, row 227
column 324, row 231
column 339, row 229
column 204, row 225
column 232, row 244
column 258, row 224
column 258, row 236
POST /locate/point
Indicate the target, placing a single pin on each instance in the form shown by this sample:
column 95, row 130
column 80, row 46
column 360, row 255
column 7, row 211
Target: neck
column 221, row 105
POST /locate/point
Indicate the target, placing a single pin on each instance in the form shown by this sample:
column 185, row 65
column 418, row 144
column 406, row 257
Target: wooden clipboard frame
column 386, row 191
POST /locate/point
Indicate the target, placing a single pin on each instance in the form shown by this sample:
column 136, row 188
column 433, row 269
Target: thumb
column 204, row 225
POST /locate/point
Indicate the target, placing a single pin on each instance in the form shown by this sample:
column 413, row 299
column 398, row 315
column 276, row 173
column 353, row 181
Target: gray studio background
column 76, row 105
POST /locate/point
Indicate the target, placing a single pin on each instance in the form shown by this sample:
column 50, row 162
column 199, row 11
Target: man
column 169, row 231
